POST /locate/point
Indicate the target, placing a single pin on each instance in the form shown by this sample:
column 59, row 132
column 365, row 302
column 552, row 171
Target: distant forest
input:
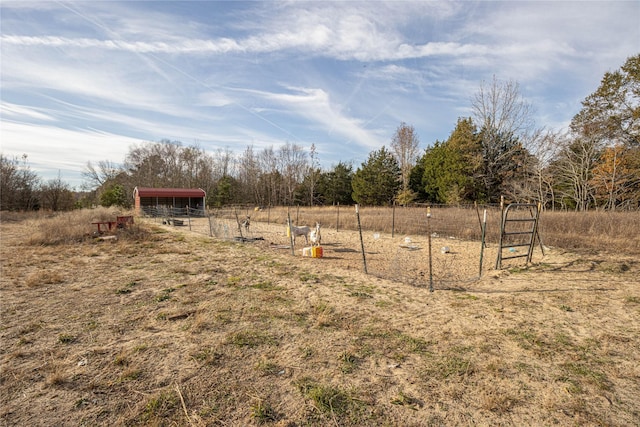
column 497, row 151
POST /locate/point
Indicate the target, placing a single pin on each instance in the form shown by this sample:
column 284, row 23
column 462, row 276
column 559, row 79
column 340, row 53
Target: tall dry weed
column 596, row 231
column 67, row 227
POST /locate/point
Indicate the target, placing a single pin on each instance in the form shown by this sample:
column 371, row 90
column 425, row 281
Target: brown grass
column 586, row 232
column 168, row 327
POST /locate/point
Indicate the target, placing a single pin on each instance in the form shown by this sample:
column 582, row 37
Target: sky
column 85, row 81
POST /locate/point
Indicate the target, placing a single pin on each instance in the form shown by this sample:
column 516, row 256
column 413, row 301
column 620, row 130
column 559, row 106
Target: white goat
column 314, row 235
column 300, row 231
column 246, row 223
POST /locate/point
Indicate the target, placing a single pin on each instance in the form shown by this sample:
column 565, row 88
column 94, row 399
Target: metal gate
column 518, row 231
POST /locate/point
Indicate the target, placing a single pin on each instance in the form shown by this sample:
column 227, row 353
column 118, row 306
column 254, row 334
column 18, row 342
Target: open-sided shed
column 173, row 198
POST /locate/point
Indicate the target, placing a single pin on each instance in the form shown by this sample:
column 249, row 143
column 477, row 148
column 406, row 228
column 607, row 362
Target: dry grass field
column 165, row 326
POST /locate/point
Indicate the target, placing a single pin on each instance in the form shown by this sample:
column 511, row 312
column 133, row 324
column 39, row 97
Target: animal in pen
column 314, row 235
column 300, row 231
column 246, row 223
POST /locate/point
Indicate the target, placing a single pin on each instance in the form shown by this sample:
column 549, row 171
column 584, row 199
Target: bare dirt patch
column 172, row 327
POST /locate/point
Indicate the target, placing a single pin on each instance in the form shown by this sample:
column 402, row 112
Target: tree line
column 497, row 151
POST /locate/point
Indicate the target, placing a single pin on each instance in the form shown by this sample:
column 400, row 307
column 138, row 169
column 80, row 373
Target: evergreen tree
column 450, row 168
column 433, row 164
column 225, row 190
column 377, row 181
column 415, row 181
column 335, row 185
column 114, row 196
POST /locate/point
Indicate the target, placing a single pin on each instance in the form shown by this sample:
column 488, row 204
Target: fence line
column 395, row 241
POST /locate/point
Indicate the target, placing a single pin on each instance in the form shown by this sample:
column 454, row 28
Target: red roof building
column 174, row 198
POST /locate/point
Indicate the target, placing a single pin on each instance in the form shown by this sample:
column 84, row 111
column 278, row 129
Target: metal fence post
column 364, row 258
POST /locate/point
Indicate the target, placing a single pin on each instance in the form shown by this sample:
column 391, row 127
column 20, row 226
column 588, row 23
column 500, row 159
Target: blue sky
column 84, row 81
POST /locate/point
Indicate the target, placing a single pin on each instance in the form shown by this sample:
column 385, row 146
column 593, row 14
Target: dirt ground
column 179, row 328
column 402, row 258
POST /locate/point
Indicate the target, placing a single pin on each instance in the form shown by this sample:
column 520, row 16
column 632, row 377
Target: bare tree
column 545, row 148
column 292, row 162
column 574, row 170
column 404, row 146
column 506, row 124
column 313, row 173
column 249, row 175
column 95, row 177
column 56, row 195
column 18, row 184
column 271, row 178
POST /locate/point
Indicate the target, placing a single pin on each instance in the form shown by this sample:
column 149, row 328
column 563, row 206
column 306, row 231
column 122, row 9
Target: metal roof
column 168, row 192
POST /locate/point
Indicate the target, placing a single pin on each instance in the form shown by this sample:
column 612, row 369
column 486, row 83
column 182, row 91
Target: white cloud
column 214, row 72
column 314, row 105
column 52, row 150
column 14, row 110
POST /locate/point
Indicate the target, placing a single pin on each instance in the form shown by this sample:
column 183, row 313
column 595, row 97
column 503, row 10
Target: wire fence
column 440, row 247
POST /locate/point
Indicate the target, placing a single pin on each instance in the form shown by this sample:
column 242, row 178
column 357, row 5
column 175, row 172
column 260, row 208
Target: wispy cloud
column 342, row 75
column 10, row 110
column 71, row 149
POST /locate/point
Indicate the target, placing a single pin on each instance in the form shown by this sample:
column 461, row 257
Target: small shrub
column 234, row 280
column 160, row 406
column 208, row 356
column 349, row 362
column 309, row 277
column 406, row 400
column 414, row 345
column 121, row 360
column 55, row 378
column 250, row 339
column 326, row 399
column 164, row 295
column 126, row 289
column 44, row 277
column 267, row 367
column 66, row 338
column 130, row 374
column 263, row 412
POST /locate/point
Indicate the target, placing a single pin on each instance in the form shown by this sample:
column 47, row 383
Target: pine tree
column 377, row 181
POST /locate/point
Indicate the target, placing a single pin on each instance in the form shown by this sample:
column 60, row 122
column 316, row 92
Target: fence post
column 499, row 258
column 290, row 233
column 210, row 225
column 364, row 258
column 393, row 219
column 337, row 216
column 429, row 240
column 484, row 228
column 235, row 211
